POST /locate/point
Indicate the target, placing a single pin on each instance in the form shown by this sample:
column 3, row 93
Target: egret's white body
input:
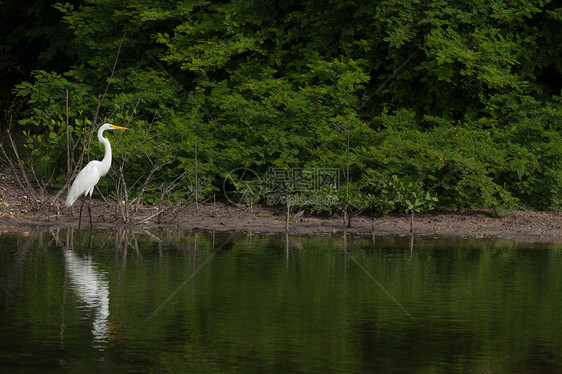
column 90, row 175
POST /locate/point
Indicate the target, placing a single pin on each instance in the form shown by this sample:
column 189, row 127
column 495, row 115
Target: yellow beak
column 118, row 127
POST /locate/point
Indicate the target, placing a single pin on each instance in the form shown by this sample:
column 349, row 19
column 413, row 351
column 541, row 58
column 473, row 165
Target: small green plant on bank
column 353, row 202
column 410, row 197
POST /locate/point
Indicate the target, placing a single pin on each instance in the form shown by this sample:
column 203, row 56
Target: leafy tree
column 462, row 97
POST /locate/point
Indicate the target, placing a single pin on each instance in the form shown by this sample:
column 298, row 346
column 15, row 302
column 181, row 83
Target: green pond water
column 182, row 302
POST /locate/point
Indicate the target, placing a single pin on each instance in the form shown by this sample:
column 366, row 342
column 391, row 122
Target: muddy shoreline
column 17, row 214
column 527, row 226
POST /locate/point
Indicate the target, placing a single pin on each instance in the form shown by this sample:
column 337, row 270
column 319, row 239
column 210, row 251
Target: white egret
column 90, row 175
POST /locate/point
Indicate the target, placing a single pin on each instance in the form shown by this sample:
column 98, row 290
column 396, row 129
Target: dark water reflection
column 138, row 301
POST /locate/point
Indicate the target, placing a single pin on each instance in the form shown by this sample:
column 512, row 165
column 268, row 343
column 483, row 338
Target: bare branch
column 28, row 187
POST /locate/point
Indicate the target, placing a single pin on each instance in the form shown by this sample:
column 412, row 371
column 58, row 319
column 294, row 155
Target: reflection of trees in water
column 121, row 240
column 15, row 264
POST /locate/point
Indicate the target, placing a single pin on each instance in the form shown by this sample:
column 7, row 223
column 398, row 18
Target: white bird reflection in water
column 92, row 289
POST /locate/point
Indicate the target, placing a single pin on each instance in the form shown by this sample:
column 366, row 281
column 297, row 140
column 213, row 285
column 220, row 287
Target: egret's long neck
column 106, row 162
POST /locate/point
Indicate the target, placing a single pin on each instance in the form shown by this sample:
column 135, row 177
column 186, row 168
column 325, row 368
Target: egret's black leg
column 80, row 219
column 90, row 212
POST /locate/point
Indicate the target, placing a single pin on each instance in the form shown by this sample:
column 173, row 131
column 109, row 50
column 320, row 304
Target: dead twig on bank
column 19, row 171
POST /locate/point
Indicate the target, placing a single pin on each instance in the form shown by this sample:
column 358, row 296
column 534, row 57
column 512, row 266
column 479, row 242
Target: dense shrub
column 459, row 100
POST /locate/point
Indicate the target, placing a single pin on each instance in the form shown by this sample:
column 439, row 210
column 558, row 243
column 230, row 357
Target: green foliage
column 457, row 100
column 410, row 196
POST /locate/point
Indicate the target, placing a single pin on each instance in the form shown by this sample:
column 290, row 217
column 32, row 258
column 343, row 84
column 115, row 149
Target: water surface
column 124, row 301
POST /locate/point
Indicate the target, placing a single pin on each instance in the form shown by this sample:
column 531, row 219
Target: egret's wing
column 84, row 182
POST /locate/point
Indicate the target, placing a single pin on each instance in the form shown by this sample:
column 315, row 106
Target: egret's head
column 109, row 126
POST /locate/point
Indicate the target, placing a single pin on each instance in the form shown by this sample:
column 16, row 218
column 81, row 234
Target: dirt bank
column 16, row 213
